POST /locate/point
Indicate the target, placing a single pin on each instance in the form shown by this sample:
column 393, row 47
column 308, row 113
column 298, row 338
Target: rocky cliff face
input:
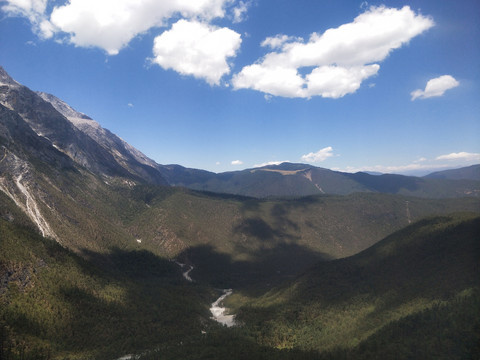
column 49, row 152
column 76, row 135
column 125, row 154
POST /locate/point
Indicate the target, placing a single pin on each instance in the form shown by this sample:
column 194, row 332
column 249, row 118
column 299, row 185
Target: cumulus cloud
column 198, row 49
column 435, row 87
column 341, row 58
column 237, row 162
column 319, row 156
column 110, row 24
column 463, row 156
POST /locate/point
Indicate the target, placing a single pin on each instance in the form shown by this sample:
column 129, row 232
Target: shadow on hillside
column 431, row 259
column 159, row 308
column 268, row 267
column 387, row 183
column 261, row 269
column 138, row 265
column 156, row 307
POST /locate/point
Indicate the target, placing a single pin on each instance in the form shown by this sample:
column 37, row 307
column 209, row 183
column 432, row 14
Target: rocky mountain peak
column 6, row 79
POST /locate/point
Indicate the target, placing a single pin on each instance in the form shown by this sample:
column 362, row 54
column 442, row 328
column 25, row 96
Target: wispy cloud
column 394, row 169
column 435, row 87
column 276, row 42
column 34, row 11
column 319, row 156
column 270, row 163
column 462, row 156
column 422, row 165
column 237, row 162
column 341, row 58
column 240, row 11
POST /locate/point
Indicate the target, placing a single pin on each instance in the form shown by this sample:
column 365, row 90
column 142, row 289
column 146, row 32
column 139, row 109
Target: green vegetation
column 401, row 298
column 55, row 304
column 415, row 294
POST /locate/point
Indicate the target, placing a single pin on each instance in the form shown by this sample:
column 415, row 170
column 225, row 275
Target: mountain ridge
column 465, row 173
column 87, row 143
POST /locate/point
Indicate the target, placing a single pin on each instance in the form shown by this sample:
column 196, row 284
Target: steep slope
column 91, row 152
column 126, row 155
column 56, row 305
column 365, row 304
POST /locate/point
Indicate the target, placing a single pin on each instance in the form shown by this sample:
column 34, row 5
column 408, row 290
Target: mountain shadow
column 269, row 266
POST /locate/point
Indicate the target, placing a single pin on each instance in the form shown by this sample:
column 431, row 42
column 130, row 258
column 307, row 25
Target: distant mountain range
column 293, row 180
column 85, row 142
column 465, row 173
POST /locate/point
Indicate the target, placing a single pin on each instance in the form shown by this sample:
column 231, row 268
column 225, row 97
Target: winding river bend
column 218, row 312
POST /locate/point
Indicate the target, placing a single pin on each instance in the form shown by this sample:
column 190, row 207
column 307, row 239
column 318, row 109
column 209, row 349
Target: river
column 218, row 311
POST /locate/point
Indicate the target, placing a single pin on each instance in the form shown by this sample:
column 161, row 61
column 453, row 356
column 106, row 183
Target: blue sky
column 226, row 84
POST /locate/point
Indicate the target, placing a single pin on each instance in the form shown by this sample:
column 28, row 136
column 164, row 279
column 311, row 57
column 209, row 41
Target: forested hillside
column 413, row 295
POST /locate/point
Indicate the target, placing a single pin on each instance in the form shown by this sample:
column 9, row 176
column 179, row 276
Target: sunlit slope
column 413, row 295
column 293, row 180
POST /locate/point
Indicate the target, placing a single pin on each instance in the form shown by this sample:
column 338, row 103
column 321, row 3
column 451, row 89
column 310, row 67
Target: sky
column 226, row 85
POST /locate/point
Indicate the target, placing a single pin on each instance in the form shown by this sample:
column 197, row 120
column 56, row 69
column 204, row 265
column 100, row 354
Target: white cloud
column 130, row 105
column 34, row 11
column 341, row 58
column 435, row 87
column 395, row 169
column 240, row 11
column 270, row 163
column 110, row 24
column 335, row 81
column 237, row 162
column 198, row 49
column 319, row 156
column 422, row 165
column 462, row 156
column 276, row 42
